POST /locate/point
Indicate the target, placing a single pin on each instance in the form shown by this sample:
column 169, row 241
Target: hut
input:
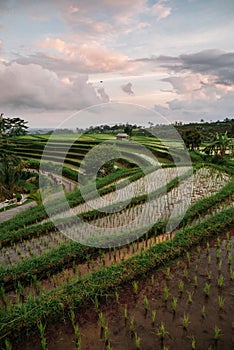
column 122, row 136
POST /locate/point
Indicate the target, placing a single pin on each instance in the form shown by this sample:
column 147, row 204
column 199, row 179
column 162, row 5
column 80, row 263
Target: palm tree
column 36, row 196
column 11, row 168
column 218, row 145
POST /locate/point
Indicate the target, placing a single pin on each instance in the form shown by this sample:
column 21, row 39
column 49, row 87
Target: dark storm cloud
column 212, row 62
column 127, row 88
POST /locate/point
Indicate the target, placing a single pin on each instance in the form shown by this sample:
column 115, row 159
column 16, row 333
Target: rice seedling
column 207, row 289
column 209, row 259
column 218, row 253
column 181, row 286
column 96, row 303
column 106, row 335
column 137, row 341
column 220, row 281
column 125, row 314
column 220, row 265
column 162, row 332
column 132, row 326
column 188, row 257
column 166, row 293
column 135, row 287
column 8, row 345
column 203, row 311
column 153, row 316
column 221, row 302
column 195, row 281
column 209, row 275
column 193, row 344
column 229, row 258
column 186, row 272
column 185, row 321
column 168, row 272
column 190, row 297
column 108, row 347
column 152, row 280
column 174, row 304
column 117, row 297
column 76, row 331
column 146, row 304
column 41, row 328
column 218, row 242
column 77, row 337
column 217, row 333
column 228, row 246
column 199, row 251
column 101, row 323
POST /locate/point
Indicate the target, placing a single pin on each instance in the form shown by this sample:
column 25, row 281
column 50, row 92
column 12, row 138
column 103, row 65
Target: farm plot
column 206, row 181
column 90, row 261
column 138, row 215
column 187, row 305
column 97, row 284
column 147, row 184
column 83, row 260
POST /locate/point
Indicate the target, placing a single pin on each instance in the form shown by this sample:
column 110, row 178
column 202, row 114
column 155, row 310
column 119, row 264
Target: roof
column 122, row 135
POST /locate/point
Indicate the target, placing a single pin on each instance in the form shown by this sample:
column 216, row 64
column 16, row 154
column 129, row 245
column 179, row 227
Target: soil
column 60, row 336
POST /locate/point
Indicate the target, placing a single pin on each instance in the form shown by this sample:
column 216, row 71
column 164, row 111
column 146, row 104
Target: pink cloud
column 93, row 57
column 160, row 10
column 198, row 86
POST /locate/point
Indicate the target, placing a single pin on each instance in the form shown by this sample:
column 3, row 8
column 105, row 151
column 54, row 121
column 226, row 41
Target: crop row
column 143, row 186
column 92, row 262
column 55, row 304
column 37, row 214
column 65, row 255
column 29, row 247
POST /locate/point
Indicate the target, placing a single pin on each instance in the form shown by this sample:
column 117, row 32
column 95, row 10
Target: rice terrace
column 114, row 238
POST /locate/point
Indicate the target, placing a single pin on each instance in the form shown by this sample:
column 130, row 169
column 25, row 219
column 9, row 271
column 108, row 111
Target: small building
column 122, row 136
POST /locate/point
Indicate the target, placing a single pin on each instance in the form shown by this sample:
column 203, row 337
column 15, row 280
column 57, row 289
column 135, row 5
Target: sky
column 175, row 57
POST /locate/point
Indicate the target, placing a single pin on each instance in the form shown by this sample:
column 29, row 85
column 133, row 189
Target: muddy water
column 200, row 327
column 105, row 259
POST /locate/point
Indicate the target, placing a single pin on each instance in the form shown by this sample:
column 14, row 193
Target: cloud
column 194, row 110
column 127, row 88
column 31, row 86
column 160, row 10
column 103, row 94
column 83, row 58
column 217, row 63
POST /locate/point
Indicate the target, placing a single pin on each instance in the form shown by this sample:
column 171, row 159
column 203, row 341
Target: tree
column 218, row 145
column 12, row 127
column 11, row 166
column 128, row 129
column 192, row 138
